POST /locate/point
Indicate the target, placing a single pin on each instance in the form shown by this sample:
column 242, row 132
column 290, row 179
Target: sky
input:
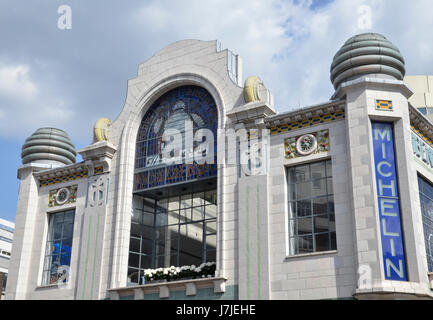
column 69, row 78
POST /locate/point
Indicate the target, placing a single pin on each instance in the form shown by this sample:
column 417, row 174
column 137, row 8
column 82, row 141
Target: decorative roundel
column 62, row 196
column 306, row 144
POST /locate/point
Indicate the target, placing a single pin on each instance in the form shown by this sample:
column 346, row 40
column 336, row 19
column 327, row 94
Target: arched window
column 174, row 205
column 172, row 111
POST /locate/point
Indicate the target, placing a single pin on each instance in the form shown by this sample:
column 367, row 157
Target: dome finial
column 48, row 145
column 366, row 53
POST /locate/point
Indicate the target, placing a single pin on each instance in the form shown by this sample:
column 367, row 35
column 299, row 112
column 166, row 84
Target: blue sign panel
column 388, row 197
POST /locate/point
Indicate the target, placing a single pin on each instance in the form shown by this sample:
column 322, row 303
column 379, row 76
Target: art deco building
column 201, row 189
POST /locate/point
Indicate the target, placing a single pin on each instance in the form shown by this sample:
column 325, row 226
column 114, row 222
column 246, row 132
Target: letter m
column 383, row 133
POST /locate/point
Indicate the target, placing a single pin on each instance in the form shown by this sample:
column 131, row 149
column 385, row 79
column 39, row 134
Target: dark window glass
column 311, row 208
column 426, row 202
column 183, row 232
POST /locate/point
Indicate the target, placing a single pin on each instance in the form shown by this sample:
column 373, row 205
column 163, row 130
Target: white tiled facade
column 253, row 259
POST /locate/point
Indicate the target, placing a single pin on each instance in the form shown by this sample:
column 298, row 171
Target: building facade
column 6, row 238
column 200, row 189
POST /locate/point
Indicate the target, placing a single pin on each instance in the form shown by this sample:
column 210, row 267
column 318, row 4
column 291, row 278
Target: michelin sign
column 388, row 202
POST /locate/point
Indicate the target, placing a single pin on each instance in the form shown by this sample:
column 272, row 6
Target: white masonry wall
column 320, row 275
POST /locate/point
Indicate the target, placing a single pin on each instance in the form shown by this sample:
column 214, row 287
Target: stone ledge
column 164, row 288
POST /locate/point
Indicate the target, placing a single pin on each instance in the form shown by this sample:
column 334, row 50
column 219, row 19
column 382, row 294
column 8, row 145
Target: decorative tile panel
column 62, row 196
column 325, row 118
column 316, row 142
column 69, row 177
column 384, row 105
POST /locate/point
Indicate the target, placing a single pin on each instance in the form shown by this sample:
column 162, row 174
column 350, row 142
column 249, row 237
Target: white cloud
column 14, row 81
column 23, row 103
column 287, row 44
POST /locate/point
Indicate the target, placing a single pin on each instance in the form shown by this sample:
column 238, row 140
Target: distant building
column 6, row 238
column 422, row 97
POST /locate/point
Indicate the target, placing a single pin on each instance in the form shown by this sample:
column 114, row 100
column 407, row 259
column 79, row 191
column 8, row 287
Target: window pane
column 173, row 204
column 211, row 227
column 303, row 208
column 57, row 230
column 136, row 215
column 319, row 188
column 302, row 173
column 305, row 244
column 68, row 230
column 210, row 197
column 304, row 226
column 321, row 223
column 318, row 170
column 146, row 262
column 198, row 199
column 331, row 204
column 185, row 215
column 329, row 186
column 198, row 213
column 133, row 260
column 173, row 217
column 292, row 209
column 148, row 218
column 210, row 242
column 185, row 201
column 322, row 242
column 132, row 275
column 320, row 205
column 211, row 256
column 291, row 192
column 134, row 244
column 331, row 223
column 329, row 168
column 210, row 211
column 135, row 230
column 303, row 190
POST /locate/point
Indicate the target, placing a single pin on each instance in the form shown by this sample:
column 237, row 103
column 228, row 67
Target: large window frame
column 425, row 189
column 58, row 252
column 160, row 227
column 311, row 209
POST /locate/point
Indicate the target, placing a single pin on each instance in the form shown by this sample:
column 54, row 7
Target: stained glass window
column 59, row 247
column 172, row 111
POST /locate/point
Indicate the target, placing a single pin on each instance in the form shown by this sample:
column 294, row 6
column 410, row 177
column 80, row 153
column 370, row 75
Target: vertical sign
column 388, row 201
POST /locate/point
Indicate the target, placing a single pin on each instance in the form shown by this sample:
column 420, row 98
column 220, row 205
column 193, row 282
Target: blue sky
column 70, row 78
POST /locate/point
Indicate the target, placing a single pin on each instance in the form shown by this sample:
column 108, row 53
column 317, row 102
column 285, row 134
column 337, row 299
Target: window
column 59, row 246
column 426, row 202
column 311, row 208
column 3, row 280
column 175, row 231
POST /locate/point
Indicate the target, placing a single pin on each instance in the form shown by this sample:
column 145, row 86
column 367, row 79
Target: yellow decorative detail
column 324, row 118
column 384, row 105
column 69, row 177
column 100, row 130
column 250, row 89
column 422, row 135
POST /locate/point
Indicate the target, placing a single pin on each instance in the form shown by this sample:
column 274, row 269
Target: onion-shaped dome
column 367, row 53
column 48, row 145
